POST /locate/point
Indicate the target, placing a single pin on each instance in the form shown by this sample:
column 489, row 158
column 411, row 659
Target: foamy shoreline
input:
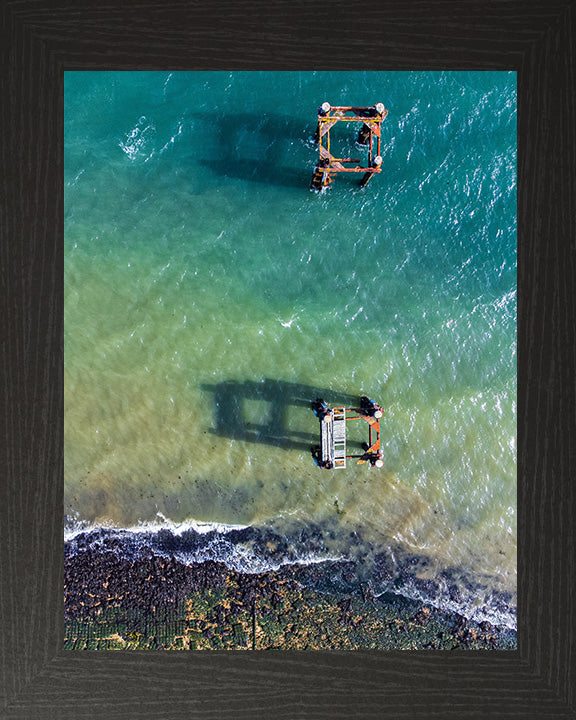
column 250, row 550
column 151, row 601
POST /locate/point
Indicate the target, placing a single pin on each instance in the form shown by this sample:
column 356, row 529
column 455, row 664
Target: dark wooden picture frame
column 41, row 40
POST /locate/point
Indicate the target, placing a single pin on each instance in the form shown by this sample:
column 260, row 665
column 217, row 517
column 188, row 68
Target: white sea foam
column 136, row 140
column 76, row 527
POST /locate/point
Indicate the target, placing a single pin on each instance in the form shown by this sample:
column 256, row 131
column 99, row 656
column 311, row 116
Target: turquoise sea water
column 210, row 296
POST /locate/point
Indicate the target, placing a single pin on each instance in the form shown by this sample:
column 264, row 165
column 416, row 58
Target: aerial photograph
column 290, row 360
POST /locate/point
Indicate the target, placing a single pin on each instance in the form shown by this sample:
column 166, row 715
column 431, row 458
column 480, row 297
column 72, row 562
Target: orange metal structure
column 369, row 134
column 373, row 452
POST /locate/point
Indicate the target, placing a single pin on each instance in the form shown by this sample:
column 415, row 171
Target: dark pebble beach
column 147, row 600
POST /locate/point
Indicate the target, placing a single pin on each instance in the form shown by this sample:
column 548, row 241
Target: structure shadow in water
column 276, row 396
column 258, row 148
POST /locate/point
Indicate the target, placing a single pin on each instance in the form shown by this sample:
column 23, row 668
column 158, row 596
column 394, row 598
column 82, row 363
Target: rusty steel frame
column 374, row 446
column 327, row 163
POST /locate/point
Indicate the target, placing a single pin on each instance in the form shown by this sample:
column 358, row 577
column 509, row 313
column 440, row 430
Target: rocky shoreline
column 151, row 601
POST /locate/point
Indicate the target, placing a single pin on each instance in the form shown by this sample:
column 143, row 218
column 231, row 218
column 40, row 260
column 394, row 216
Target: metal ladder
column 339, row 437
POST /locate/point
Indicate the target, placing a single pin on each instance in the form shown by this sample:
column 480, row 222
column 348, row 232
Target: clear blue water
column 207, row 287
